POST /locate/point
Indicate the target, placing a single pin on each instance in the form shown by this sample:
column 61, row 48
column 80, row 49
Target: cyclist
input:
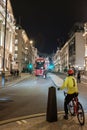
column 72, row 90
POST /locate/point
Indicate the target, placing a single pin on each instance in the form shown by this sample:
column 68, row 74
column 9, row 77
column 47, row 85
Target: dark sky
column 49, row 22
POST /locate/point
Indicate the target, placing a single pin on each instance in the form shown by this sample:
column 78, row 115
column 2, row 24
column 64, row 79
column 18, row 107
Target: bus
column 40, row 67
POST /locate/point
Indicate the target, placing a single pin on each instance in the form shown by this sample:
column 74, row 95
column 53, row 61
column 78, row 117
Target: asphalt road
column 30, row 97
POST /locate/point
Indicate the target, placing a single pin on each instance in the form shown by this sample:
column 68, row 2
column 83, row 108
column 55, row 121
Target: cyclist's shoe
column 65, row 117
column 73, row 114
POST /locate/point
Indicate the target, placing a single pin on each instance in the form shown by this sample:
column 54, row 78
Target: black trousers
column 68, row 98
column 78, row 80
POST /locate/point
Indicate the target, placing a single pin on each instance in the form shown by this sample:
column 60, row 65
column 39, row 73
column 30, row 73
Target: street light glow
column 31, row 41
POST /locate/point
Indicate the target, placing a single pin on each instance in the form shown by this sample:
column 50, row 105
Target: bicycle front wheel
column 80, row 114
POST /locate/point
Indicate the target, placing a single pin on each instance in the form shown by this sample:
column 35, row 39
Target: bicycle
column 76, row 108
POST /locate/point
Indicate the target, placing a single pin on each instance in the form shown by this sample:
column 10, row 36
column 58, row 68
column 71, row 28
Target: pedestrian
column 74, row 71
column 78, row 77
column 72, row 90
column 17, row 72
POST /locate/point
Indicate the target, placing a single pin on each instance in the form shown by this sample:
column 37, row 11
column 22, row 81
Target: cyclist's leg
column 68, row 98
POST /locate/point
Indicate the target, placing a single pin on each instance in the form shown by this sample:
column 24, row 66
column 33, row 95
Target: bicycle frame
column 76, row 108
column 75, row 103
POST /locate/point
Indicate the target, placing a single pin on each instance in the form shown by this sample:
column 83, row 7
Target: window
column 15, row 56
column 16, row 41
column 16, row 48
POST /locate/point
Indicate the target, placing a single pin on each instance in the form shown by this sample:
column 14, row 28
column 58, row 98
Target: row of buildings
column 16, row 49
column 74, row 51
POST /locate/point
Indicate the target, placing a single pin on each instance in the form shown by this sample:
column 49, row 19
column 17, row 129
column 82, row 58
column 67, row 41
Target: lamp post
column 3, row 72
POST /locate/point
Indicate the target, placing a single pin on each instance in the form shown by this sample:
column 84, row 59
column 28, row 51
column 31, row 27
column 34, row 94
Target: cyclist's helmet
column 70, row 71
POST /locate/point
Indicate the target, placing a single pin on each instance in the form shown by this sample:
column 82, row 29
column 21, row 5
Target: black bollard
column 51, row 115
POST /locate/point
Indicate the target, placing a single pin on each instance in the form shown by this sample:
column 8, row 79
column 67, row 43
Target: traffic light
column 51, row 66
column 30, row 66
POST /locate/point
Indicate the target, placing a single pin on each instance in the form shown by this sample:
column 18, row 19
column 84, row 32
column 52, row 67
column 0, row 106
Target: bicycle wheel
column 71, row 107
column 80, row 114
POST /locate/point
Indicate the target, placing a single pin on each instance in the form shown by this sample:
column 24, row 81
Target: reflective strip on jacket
column 70, row 84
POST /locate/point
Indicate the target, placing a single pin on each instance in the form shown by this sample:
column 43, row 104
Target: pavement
column 39, row 121
column 14, row 80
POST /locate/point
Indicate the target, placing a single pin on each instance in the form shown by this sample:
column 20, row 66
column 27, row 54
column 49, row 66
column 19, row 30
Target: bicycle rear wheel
column 80, row 114
column 71, row 107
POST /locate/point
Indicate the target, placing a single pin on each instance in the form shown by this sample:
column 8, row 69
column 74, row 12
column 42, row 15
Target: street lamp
column 31, row 42
column 3, row 72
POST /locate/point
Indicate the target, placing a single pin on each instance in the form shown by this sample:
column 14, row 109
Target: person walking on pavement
column 78, row 77
column 72, row 90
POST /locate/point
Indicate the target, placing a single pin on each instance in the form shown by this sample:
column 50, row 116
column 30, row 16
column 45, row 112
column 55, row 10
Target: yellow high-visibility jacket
column 70, row 84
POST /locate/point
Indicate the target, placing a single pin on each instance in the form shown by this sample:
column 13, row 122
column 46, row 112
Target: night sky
column 49, row 22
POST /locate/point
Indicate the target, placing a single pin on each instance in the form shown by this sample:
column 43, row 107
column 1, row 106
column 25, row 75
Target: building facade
column 57, row 61
column 7, row 45
column 17, row 48
column 85, row 38
column 73, row 52
column 25, row 52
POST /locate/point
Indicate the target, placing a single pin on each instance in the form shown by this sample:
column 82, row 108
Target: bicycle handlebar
column 58, row 89
column 65, row 93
